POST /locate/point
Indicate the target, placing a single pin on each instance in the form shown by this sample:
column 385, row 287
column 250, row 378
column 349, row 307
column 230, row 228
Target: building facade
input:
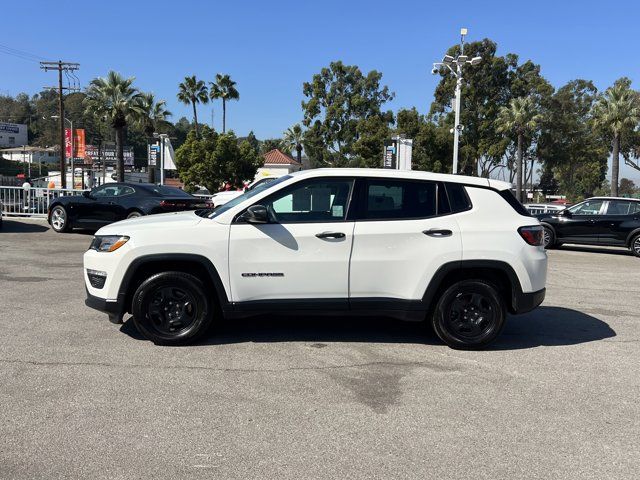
column 13, row 135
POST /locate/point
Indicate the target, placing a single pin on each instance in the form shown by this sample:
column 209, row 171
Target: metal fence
column 32, row 202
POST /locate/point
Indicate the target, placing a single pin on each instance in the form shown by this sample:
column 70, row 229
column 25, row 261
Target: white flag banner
column 169, row 155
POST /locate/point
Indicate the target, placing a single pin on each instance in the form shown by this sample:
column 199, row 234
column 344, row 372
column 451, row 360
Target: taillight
column 533, row 235
column 169, row 204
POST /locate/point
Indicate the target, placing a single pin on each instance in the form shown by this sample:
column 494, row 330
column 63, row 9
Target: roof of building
column 276, row 157
column 27, row 149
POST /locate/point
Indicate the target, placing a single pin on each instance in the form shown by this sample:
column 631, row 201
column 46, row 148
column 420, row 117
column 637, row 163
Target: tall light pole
column 73, row 173
column 455, row 66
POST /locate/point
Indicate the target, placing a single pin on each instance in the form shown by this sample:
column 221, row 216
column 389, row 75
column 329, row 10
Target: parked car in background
column 221, row 198
column 538, row 208
column 608, row 221
column 112, row 202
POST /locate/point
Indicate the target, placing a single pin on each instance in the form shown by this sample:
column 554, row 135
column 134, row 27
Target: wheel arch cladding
column 496, row 272
column 197, row 265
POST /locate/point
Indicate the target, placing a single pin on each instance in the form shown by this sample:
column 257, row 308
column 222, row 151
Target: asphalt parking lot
column 557, row 397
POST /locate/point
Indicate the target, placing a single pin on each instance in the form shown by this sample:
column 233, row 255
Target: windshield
column 248, row 194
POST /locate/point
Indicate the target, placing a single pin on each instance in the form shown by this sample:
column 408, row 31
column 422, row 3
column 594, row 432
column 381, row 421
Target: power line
column 20, row 54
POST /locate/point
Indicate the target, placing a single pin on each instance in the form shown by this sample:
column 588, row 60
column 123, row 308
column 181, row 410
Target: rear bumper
column 114, row 309
column 525, row 302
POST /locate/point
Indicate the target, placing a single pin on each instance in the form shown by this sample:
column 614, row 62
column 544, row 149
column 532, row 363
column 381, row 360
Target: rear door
column 619, row 219
column 402, row 236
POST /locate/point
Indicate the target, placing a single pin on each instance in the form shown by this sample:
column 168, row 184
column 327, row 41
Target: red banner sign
column 78, row 143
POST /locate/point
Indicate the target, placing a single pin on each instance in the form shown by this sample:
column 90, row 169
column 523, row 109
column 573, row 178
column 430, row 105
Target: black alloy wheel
column 469, row 315
column 171, row 308
column 635, row 245
column 548, row 237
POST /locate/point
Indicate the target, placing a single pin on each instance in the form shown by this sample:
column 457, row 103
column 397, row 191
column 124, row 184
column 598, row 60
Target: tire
column 134, row 214
column 59, row 219
column 484, row 315
column 189, row 312
column 549, row 239
column 634, row 246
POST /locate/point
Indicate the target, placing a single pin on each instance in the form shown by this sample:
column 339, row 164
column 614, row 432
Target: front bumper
column 114, row 309
column 525, row 302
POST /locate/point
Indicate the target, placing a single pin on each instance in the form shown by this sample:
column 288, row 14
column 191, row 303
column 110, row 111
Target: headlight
column 108, row 243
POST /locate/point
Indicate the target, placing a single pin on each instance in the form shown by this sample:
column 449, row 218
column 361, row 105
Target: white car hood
column 163, row 221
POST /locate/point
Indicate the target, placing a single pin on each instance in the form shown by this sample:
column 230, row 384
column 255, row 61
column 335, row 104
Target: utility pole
column 61, row 66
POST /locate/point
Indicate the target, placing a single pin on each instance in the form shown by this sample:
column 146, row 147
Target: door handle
column 330, row 235
column 438, row 232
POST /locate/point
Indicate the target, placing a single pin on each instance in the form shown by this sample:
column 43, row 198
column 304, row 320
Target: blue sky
column 271, row 48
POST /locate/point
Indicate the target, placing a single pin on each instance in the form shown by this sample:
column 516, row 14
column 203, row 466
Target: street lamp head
column 476, row 60
column 434, row 70
column 447, row 59
column 462, row 59
column 463, row 31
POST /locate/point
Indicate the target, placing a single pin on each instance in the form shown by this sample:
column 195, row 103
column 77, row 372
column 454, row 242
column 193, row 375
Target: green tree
column 339, row 98
column 487, row 87
column 191, row 92
column 114, row 98
column 293, row 138
column 225, row 89
column 574, row 159
column 521, row 119
column 617, row 115
column 272, row 143
column 432, row 145
column 627, row 188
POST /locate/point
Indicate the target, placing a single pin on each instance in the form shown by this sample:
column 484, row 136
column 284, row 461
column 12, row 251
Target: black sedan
column 606, row 221
column 112, row 202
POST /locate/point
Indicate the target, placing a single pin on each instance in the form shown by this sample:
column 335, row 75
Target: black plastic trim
column 123, row 291
column 115, row 310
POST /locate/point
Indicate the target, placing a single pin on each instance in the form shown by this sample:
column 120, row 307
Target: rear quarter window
column 510, row 198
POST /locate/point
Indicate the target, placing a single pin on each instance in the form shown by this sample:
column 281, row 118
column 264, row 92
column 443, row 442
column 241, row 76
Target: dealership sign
column 107, row 154
column 9, row 127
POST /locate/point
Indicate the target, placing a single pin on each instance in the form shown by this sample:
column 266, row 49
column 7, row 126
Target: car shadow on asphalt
column 11, row 226
column 545, row 326
column 588, row 249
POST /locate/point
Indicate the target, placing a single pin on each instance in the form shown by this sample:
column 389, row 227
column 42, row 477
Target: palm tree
column 152, row 115
column 224, row 88
column 519, row 117
column 617, row 113
column 293, row 139
column 193, row 91
column 115, row 99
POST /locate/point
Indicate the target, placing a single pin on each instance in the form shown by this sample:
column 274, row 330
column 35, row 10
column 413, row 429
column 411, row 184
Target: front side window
column 319, row 200
column 590, row 207
column 104, row 191
column 387, row 199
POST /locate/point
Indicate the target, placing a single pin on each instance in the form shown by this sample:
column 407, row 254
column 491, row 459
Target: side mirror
column 86, row 194
column 566, row 213
column 255, row 214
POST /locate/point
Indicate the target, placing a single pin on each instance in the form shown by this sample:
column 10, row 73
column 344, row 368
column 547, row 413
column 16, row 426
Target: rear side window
column 387, row 199
column 513, row 201
column 458, row 198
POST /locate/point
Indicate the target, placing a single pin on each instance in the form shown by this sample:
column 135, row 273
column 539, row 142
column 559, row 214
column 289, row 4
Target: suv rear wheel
column 171, row 308
column 469, row 315
column 635, row 245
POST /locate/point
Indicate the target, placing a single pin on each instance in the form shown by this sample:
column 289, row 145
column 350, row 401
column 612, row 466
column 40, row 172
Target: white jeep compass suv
column 459, row 252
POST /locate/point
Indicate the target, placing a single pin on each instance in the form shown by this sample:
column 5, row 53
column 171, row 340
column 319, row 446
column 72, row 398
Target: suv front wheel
column 171, row 308
column 469, row 315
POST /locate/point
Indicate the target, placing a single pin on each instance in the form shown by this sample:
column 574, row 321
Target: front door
column 303, row 253
column 581, row 224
